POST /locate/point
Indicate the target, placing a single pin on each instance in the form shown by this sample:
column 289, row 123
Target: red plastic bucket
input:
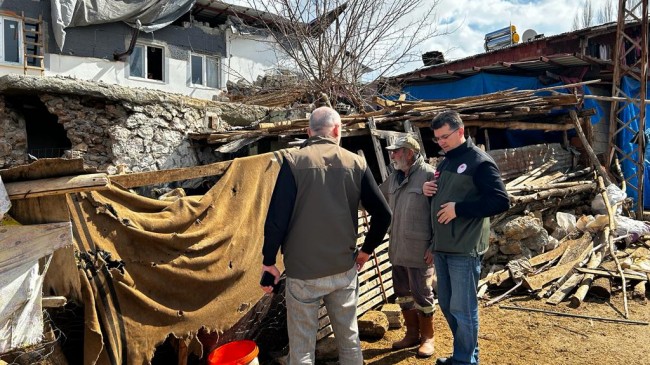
column 235, row 353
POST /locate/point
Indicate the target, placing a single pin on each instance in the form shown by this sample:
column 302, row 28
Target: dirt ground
column 513, row 337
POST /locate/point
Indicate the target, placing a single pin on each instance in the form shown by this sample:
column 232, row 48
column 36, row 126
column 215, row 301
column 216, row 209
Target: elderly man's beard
column 400, row 163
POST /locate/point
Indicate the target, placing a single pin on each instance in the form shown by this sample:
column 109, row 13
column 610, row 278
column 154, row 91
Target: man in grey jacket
column 313, row 217
column 410, row 237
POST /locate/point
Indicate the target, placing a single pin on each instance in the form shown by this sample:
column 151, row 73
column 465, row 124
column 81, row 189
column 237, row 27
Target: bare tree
column 606, row 13
column 334, row 43
column 584, row 16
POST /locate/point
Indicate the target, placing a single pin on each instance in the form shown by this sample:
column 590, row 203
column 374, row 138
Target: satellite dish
column 528, row 35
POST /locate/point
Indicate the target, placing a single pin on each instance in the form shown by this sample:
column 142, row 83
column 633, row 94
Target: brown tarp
column 151, row 268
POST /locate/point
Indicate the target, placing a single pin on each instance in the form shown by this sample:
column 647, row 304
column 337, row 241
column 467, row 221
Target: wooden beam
column 57, row 186
column 519, row 125
column 20, row 244
column 165, row 176
column 54, row 302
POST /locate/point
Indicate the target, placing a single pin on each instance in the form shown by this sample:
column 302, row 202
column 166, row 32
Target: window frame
column 145, row 64
column 204, row 71
column 21, row 56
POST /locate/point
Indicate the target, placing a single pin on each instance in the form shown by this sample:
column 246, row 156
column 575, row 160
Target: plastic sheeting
column 626, row 141
column 484, row 83
column 146, row 15
column 21, row 318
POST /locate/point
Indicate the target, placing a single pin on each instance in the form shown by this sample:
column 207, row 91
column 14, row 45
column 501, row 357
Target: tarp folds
column 146, row 15
column 150, row 268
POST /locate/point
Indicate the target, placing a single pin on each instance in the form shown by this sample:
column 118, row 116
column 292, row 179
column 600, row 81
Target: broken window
column 11, row 34
column 147, row 62
column 205, row 71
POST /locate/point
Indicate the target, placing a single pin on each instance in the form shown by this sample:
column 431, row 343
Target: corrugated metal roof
column 441, row 71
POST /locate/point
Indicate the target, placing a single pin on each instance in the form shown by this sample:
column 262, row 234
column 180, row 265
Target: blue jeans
column 340, row 293
column 457, row 281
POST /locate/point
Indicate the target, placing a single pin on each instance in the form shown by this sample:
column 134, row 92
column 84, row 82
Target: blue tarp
column 625, row 140
column 483, row 83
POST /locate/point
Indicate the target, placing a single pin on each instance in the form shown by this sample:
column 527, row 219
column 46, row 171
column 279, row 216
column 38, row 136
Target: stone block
column 327, row 349
column 373, row 325
column 394, row 314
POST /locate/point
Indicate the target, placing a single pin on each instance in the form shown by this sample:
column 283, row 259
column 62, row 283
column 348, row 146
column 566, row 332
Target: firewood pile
column 566, row 237
column 509, row 109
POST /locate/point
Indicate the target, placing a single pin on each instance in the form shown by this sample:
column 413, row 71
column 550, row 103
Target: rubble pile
column 275, row 90
column 566, row 251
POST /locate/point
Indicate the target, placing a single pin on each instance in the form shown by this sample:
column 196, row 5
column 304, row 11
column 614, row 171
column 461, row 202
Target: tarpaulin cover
column 484, row 83
column 146, row 15
column 626, row 141
column 152, row 268
column 21, row 279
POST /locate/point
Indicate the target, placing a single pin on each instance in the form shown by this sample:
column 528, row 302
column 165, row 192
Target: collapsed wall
column 113, row 127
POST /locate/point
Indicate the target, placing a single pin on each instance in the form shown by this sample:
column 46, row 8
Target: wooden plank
column 567, row 263
column 54, row 302
column 57, row 186
column 21, row 244
column 236, row 145
column 378, row 152
column 611, row 274
column 165, row 176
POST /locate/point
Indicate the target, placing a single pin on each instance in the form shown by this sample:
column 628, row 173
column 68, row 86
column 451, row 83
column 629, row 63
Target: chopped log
column 165, row 176
column 543, row 195
column 601, row 288
column 639, row 291
column 565, row 289
column 56, row 186
column 571, row 175
column 577, row 298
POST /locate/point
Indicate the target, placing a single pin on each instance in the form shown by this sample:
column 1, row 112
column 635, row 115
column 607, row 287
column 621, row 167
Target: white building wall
column 177, row 74
column 250, row 56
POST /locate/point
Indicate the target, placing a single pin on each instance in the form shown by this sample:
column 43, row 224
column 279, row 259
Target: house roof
column 535, row 56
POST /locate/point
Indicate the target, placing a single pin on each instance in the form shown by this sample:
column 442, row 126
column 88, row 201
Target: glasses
column 444, row 136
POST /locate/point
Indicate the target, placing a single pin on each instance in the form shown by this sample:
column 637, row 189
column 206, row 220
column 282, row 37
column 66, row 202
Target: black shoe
column 444, row 361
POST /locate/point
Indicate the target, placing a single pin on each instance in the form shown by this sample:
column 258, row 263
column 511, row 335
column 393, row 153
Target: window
column 11, row 40
column 147, row 62
column 205, row 71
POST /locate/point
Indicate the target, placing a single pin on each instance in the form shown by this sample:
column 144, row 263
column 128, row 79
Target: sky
column 466, row 22
column 470, row 20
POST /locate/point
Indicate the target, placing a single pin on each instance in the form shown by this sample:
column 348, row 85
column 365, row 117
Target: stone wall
column 13, row 137
column 134, row 137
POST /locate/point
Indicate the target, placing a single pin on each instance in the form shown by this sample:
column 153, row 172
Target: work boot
column 412, row 336
column 426, row 336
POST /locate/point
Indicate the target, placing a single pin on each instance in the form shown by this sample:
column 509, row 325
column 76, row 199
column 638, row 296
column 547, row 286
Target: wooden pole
column 56, row 186
column 616, row 320
column 590, row 152
column 608, row 234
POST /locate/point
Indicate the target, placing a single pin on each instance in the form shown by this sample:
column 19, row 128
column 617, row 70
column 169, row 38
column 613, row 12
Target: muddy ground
column 509, row 337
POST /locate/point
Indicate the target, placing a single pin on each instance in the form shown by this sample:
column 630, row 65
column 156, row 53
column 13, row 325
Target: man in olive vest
column 313, row 217
column 410, row 238
column 467, row 191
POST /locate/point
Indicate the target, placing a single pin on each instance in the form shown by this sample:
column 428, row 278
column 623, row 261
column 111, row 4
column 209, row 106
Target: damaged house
column 129, row 279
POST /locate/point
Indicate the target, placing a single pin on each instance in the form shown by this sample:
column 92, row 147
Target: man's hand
column 362, row 257
column 429, row 188
column 447, row 212
column 273, row 270
column 428, row 257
